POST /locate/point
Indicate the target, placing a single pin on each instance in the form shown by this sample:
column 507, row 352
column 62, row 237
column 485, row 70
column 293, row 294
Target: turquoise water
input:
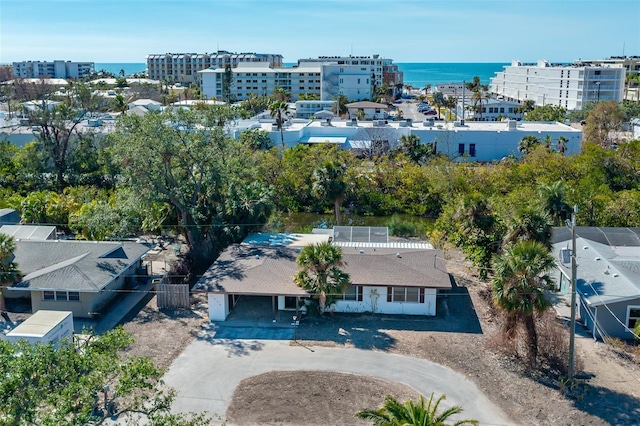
column 415, row 74
column 129, row 68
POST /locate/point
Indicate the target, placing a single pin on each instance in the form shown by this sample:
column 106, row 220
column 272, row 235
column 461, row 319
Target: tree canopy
column 84, row 382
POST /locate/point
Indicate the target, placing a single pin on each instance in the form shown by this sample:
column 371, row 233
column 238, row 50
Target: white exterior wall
column 570, row 87
column 353, row 81
column 218, row 306
column 374, row 299
column 55, row 69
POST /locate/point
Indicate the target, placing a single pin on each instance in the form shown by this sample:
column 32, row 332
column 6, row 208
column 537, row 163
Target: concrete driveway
column 207, row 372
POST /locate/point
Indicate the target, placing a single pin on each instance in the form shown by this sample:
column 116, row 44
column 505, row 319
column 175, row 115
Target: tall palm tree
column 394, row 413
column 9, row 272
column 528, row 223
column 329, row 184
column 321, row 274
column 518, row 288
column 552, row 199
column 280, row 110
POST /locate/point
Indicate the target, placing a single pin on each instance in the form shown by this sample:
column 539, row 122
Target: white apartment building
column 183, row 67
column 352, row 81
column 568, row 86
column 451, row 89
column 381, row 70
column 55, row 69
column 308, row 109
column 324, row 80
column 491, row 110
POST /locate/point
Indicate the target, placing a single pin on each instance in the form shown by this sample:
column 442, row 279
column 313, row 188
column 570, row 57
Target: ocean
column 416, row 74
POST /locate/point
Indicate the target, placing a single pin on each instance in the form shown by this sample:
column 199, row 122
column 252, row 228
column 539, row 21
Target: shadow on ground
column 613, row 407
column 455, row 314
column 222, row 336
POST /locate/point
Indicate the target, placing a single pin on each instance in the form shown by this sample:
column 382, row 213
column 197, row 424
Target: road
column 207, row 372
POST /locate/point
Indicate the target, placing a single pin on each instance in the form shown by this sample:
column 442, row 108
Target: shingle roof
column 73, row 265
column 242, row 269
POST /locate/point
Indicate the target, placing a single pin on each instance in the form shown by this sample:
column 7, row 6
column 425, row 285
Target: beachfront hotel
column 54, row 69
column 569, row 86
column 183, row 67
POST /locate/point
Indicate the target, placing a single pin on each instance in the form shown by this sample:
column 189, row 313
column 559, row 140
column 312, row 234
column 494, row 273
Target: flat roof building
column 569, row 86
column 54, row 69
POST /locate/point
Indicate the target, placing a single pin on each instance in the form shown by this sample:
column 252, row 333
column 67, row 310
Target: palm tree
column 552, row 201
column 340, row 108
column 518, row 288
column 9, row 272
column 393, row 413
column 527, row 144
column 329, row 184
column 528, row 224
column 321, row 274
column 280, row 110
column 562, row 145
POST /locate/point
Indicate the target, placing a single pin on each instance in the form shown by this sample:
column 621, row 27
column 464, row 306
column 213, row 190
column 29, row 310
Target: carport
column 255, row 275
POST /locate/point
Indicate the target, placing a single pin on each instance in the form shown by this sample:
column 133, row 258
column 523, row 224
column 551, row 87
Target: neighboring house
column 9, row 217
column 149, row 104
column 307, row 109
column 607, row 280
column 370, row 110
column 77, row 276
column 386, row 278
column 29, row 232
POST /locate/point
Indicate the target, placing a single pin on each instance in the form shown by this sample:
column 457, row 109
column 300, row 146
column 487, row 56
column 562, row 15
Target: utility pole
column 574, row 268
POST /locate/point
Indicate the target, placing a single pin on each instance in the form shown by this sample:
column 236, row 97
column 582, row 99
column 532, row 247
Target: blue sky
column 406, row 31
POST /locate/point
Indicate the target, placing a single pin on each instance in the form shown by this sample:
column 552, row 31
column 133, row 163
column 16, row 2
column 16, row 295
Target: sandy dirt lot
column 459, row 338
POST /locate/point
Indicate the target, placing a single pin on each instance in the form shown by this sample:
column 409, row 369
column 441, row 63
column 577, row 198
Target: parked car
column 430, row 112
column 422, row 108
column 397, row 101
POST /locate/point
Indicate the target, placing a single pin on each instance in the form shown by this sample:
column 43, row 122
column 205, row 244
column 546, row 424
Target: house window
column 502, row 109
column 61, row 296
column 405, row 294
column 353, row 293
column 461, row 148
column 472, row 149
column 633, row 316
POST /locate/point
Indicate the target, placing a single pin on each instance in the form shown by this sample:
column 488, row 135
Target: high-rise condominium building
column 183, row 67
column 55, row 69
column 382, row 70
column 569, row 86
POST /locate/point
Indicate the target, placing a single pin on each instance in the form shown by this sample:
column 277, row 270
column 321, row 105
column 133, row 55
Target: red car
column 430, row 112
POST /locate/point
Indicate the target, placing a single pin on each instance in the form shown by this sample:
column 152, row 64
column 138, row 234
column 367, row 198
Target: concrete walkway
column 208, row 371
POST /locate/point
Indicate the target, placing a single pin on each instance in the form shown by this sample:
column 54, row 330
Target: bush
column 401, row 228
column 553, row 345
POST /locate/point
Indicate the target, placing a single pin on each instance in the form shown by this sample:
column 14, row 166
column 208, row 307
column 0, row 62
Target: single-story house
column 607, row 278
column 77, row 276
column 370, row 110
column 385, row 278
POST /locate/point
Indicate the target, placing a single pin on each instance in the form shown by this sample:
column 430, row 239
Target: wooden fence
column 173, row 296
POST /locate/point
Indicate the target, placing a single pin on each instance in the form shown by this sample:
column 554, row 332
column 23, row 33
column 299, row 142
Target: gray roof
column 29, row 232
column 243, row 269
column 9, row 217
column 607, row 273
column 73, row 265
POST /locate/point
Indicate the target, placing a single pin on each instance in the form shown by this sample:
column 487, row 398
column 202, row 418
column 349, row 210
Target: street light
column 598, row 85
column 574, row 270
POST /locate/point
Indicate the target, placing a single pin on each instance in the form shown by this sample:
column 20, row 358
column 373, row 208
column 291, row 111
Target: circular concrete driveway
column 208, row 371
